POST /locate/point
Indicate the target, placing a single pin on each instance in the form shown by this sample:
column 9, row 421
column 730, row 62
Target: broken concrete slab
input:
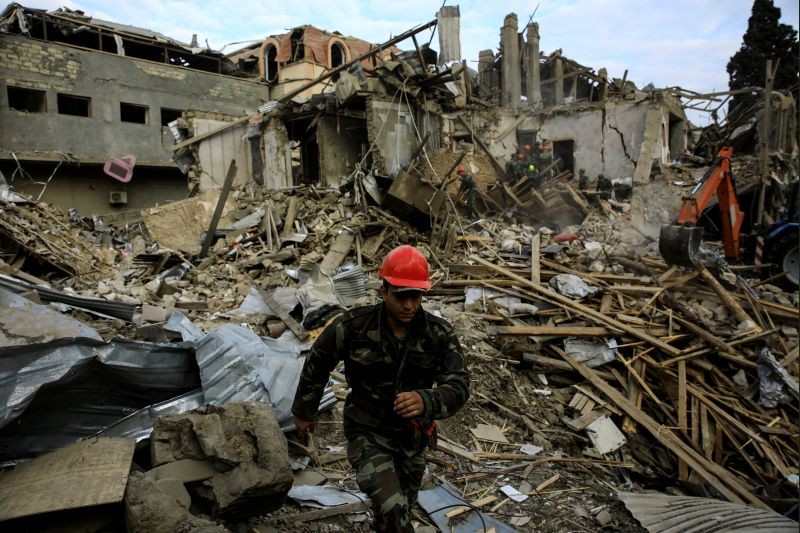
column 86, row 474
column 174, row 487
column 150, row 508
column 246, row 446
column 185, row 470
column 179, row 225
column 25, row 322
column 413, row 199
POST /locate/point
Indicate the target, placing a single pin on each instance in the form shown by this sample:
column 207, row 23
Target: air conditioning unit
column 118, row 197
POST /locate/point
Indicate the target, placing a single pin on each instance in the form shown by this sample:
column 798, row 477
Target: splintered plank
column 551, row 331
column 715, row 475
column 726, row 297
column 580, row 308
column 290, row 322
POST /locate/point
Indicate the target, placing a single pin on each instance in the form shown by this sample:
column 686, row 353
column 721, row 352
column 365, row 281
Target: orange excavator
column 679, row 243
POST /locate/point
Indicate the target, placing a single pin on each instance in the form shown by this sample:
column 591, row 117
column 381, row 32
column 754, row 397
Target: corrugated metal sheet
column 350, row 285
column 122, row 310
column 236, row 365
column 139, row 425
column 685, row 514
column 439, row 501
column 56, row 393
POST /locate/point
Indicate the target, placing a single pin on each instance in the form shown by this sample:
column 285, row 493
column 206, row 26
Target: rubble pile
column 41, row 234
column 592, row 359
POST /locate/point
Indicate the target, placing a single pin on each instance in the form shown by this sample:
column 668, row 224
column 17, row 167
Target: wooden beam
column 715, row 475
column 223, row 197
column 536, row 275
column 331, row 511
column 290, row 322
column 580, row 308
column 550, row 331
column 726, row 297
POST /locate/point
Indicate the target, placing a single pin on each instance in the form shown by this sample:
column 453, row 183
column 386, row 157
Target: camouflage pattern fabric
column 471, row 189
column 387, row 459
column 390, row 477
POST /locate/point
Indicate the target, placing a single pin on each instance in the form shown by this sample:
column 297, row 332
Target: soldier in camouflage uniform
column 470, row 188
column 393, row 352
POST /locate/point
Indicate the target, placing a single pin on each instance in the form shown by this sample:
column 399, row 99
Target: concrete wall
column 391, row 130
column 295, row 76
column 340, row 141
column 276, row 156
column 607, row 139
column 107, row 79
column 87, row 188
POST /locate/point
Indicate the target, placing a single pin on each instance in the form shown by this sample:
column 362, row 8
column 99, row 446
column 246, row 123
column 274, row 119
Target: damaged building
column 78, row 92
column 150, row 350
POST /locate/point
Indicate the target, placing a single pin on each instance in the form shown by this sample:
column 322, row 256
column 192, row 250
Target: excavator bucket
column 679, row 244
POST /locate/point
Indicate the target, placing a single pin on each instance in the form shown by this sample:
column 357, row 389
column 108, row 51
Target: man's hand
column 303, row 427
column 408, row 404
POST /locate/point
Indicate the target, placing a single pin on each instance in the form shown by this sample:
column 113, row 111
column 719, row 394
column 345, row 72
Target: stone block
column 246, row 446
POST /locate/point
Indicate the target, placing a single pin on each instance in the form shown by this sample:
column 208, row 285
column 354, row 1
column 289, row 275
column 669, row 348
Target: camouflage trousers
column 389, row 475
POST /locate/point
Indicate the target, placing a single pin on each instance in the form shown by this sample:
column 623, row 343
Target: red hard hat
column 405, row 267
column 460, row 170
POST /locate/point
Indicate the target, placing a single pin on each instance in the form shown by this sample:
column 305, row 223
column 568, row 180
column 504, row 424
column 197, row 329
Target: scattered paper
column 489, row 433
column 513, row 493
column 530, row 449
column 605, row 435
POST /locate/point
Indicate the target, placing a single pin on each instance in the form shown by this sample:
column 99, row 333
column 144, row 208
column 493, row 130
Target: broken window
column 30, row 100
column 133, row 113
column 565, row 150
column 298, row 48
column 170, row 115
column 271, row 63
column 677, row 136
column 69, row 104
column 338, row 55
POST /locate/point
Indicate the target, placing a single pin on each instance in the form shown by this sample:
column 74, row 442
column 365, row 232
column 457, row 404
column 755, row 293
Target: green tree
column 765, row 38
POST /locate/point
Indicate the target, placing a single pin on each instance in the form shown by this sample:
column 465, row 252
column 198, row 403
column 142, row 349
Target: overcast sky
column 678, row 43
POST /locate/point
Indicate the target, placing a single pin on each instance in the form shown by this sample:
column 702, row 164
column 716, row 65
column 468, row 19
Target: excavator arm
column 679, row 242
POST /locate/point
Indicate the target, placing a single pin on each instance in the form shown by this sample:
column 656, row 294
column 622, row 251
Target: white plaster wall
column 277, row 156
column 605, row 143
column 391, row 129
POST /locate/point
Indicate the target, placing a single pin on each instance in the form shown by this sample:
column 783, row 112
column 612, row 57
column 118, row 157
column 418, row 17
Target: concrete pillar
column 512, row 84
column 558, row 74
column 485, row 60
column 533, row 79
column 573, row 89
column 603, row 75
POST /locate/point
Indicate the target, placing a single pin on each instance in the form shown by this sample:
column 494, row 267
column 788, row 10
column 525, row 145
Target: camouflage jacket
column 378, row 366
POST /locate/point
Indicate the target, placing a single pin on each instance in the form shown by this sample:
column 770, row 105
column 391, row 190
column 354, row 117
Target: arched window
column 338, row 55
column 270, row 63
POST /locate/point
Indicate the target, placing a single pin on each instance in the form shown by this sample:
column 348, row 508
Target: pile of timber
column 688, row 385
